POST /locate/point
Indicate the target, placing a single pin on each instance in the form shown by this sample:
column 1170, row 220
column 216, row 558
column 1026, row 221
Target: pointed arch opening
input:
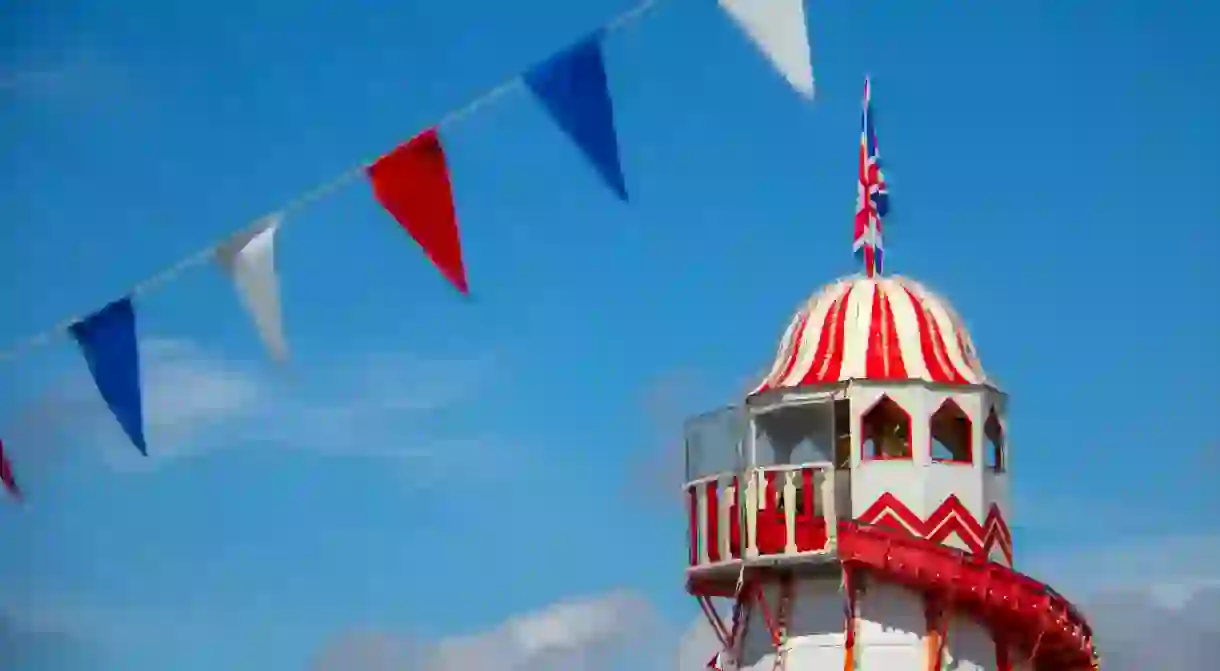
column 885, row 431
column 842, row 425
column 993, row 433
column 951, row 434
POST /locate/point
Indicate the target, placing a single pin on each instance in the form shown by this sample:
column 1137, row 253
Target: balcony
column 785, row 514
column 764, row 484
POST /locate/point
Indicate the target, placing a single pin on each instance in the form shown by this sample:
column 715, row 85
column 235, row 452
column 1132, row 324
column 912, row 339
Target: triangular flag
column 6, row 475
column 108, row 340
column 572, row 86
column 412, row 184
column 778, row 28
column 249, row 259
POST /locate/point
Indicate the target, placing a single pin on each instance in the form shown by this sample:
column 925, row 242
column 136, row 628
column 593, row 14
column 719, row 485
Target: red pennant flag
column 6, row 475
column 412, row 184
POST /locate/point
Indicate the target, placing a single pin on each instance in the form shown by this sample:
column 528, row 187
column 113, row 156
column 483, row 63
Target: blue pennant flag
column 572, row 86
column 108, row 340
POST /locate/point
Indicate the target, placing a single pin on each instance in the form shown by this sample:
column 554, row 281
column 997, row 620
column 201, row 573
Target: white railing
column 789, row 511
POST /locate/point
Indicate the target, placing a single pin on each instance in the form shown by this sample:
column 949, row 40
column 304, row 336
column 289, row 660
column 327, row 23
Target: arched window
column 885, row 431
column 951, row 434
column 994, row 433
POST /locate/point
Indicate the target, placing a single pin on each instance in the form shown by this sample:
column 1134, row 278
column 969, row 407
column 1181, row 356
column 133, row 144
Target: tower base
column 892, row 633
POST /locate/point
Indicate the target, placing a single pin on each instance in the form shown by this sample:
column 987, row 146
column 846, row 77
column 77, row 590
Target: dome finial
column 872, row 195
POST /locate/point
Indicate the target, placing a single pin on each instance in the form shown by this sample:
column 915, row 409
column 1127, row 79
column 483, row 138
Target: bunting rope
column 304, row 199
column 413, row 184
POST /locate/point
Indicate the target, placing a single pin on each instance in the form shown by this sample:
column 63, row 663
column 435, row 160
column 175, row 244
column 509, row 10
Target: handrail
column 827, row 465
column 709, row 478
column 703, row 479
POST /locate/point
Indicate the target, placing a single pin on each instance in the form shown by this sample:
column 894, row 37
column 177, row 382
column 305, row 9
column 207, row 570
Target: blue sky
column 432, row 464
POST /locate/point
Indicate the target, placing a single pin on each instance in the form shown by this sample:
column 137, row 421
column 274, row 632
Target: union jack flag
column 872, row 196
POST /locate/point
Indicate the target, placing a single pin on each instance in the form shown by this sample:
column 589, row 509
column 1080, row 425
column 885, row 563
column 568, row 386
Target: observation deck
column 769, row 494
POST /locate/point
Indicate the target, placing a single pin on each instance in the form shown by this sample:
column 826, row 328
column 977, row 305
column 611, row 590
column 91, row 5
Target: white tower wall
column 958, row 504
column 891, row 633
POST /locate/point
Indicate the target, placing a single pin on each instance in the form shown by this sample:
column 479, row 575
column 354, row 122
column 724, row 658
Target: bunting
column 414, row 186
column 107, row 338
column 778, row 29
column 572, row 86
column 249, row 260
column 6, row 475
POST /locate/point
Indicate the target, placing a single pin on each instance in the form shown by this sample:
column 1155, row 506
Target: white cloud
column 365, row 650
column 1153, row 602
column 697, row 645
column 196, row 401
column 667, row 401
column 1136, row 632
column 1166, row 570
column 586, row 634
column 1123, row 590
column 1136, row 627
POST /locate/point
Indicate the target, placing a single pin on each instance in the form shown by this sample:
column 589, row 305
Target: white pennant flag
column 249, row 259
column 778, row 28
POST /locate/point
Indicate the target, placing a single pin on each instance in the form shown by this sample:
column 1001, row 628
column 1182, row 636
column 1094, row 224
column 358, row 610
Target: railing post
column 790, row 511
column 752, row 500
column 701, row 520
column 726, row 508
column 829, row 476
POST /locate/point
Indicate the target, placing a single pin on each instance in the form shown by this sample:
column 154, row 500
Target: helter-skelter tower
column 853, row 509
column 853, row 512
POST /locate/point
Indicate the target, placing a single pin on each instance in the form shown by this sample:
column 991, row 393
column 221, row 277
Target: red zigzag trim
column 951, row 517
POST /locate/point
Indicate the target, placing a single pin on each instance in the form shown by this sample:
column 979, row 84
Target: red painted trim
column 772, row 623
column 1027, row 615
column 828, row 357
column 883, row 359
column 810, row 526
column 969, row 460
column 771, row 527
column 950, row 517
column 809, row 511
column 713, row 521
column 735, row 521
column 713, row 619
column 864, row 456
column 1015, row 607
column 794, row 348
column 1003, row 662
column 692, row 497
column 849, row 611
column 942, row 351
column 935, row 633
column 931, row 345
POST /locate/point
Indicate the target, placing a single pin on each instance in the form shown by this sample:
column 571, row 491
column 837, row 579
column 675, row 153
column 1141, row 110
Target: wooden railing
column 788, row 510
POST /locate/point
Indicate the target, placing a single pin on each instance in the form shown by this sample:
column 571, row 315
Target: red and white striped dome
column 874, row 328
